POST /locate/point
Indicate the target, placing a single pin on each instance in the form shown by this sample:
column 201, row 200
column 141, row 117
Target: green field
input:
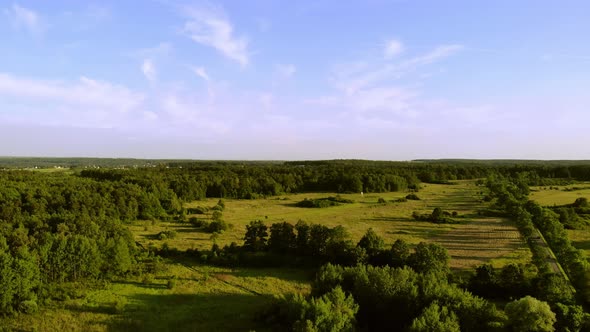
column 566, row 195
column 560, row 195
column 203, row 299
column 209, row 298
column 468, row 242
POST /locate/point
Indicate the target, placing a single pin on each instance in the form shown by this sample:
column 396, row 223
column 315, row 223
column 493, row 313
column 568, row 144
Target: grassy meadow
column 468, row 242
column 562, row 195
column 203, row 299
column 206, row 298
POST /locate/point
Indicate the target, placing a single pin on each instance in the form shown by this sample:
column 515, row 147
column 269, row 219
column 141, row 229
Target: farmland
column 563, row 195
column 135, row 249
column 468, row 242
column 208, row 298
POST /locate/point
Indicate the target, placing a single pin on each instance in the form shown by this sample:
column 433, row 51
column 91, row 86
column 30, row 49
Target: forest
column 71, row 228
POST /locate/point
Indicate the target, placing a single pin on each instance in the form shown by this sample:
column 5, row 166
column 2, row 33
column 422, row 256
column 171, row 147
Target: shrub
column 200, row 223
column 171, row 283
column 413, row 197
column 166, row 235
column 381, row 200
column 217, row 226
column 28, row 307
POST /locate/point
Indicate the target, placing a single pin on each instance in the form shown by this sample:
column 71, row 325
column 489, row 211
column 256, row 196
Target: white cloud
column 84, row 92
column 393, row 48
column 201, row 72
column 373, row 90
column 85, row 102
column 210, row 27
column 285, row 71
column 442, row 51
column 25, row 18
column 149, row 70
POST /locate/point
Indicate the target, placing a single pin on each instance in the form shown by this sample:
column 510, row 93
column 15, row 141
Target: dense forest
column 70, row 226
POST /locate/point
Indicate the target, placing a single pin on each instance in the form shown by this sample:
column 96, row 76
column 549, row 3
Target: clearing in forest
column 472, row 242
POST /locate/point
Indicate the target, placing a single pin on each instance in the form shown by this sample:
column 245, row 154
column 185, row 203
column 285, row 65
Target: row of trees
column 315, row 244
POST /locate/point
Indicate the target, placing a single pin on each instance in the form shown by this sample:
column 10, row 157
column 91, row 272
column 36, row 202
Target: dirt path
column 551, row 260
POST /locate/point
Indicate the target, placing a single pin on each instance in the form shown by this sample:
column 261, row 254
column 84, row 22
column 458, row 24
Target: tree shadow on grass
column 142, row 285
column 191, row 312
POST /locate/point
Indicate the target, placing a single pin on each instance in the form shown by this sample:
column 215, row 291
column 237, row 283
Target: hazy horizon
column 278, row 80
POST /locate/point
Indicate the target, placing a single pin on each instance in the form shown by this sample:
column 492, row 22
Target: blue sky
column 263, row 79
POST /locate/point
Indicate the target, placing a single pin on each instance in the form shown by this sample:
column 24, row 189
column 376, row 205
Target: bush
column 413, row 197
column 166, row 235
column 217, row 226
column 28, row 307
column 323, row 202
column 200, row 223
column 171, row 283
column 381, row 200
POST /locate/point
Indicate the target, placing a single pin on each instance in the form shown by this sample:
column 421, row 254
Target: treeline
column 57, row 228
column 302, row 244
column 511, row 195
column 198, row 180
column 369, row 298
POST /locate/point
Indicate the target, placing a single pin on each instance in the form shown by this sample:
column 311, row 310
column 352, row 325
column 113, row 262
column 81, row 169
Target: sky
column 289, row 80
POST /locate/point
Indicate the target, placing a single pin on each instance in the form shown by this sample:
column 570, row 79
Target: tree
column 554, row 288
column 332, row 312
column 512, row 280
column 530, row 314
column 429, row 257
column 436, row 318
column 256, row 236
column 399, row 253
column 282, row 238
column 485, row 281
column 302, row 240
column 371, row 242
column 570, row 318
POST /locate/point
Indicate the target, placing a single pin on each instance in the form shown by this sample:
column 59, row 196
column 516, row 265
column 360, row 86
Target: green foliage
column 429, row 257
column 413, row 197
column 435, row 318
column 382, row 291
column 282, row 238
column 438, row 216
column 530, row 314
column 323, row 202
column 168, row 234
column 371, row 242
column 332, row 312
column 217, row 226
column 256, row 236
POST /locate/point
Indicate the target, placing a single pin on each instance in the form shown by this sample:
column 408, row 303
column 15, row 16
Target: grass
column 206, row 298
column 564, row 195
column 548, row 197
column 203, row 299
column 472, row 242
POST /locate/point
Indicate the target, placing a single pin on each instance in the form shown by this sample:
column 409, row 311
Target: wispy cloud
column 24, row 18
column 82, row 102
column 372, row 89
column 148, row 69
column 200, row 72
column 285, row 71
column 211, row 27
column 393, row 48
